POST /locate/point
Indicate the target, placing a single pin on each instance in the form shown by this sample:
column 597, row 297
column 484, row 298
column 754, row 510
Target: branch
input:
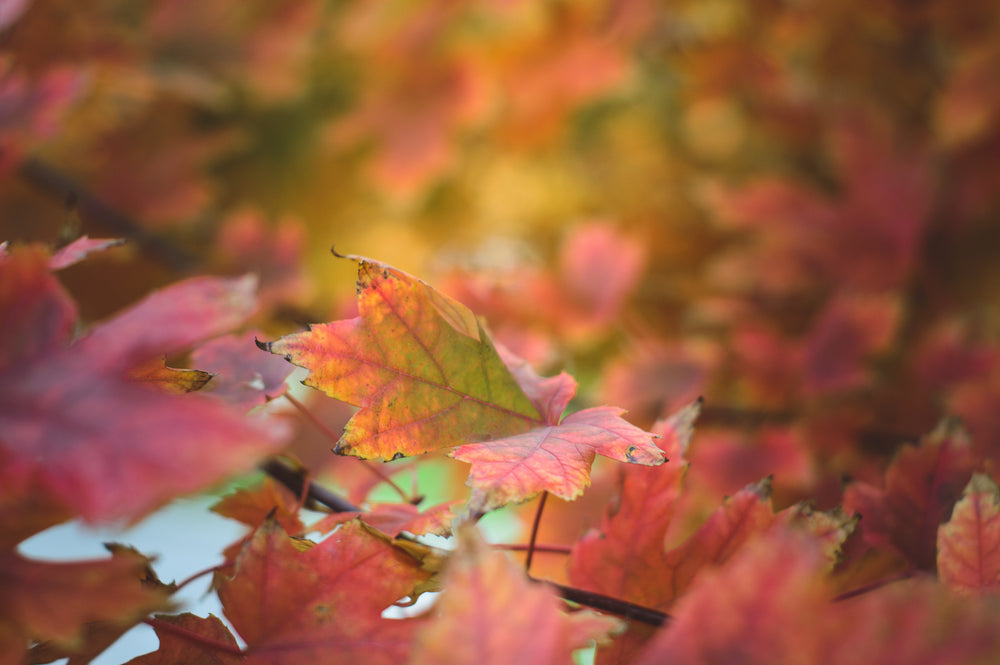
column 61, row 187
column 295, row 481
column 616, row 606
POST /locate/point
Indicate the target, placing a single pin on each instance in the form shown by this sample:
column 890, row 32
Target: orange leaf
column 427, row 376
column 475, row 622
column 423, row 371
column 969, row 543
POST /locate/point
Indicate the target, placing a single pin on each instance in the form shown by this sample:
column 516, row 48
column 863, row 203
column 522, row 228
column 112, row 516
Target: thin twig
column 332, row 436
column 294, row 481
column 534, row 533
column 190, row 636
column 608, row 604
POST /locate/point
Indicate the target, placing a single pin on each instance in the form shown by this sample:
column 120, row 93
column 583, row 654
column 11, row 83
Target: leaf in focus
column 427, row 376
column 556, row 459
column 423, row 371
column 53, row 601
column 921, row 488
column 78, row 435
column 968, row 557
column 322, row 603
column 489, row 613
column 176, row 650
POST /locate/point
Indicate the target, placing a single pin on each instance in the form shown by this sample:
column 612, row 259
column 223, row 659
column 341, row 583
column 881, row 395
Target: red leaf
column 765, row 606
column 178, row 648
column 616, row 560
column 78, row 435
column 556, row 459
column 53, row 601
column 770, row 604
column 296, row 602
column 475, row 623
column 921, row 488
column 968, row 555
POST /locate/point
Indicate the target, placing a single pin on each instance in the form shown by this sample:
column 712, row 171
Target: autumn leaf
column 54, row 601
column 763, row 607
column 418, row 364
column 770, row 604
column 79, row 436
column 176, row 647
column 427, row 376
column 968, row 556
column 293, row 601
column 921, row 488
column 474, row 622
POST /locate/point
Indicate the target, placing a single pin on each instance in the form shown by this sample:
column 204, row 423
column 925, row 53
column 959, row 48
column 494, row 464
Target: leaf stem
column 332, row 436
column 200, row 573
column 534, row 533
column 189, row 636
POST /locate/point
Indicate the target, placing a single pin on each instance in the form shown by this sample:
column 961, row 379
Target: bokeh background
column 788, row 207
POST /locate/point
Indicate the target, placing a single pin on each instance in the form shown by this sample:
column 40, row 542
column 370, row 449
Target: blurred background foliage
column 789, row 207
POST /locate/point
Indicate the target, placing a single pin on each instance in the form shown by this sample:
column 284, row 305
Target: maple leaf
column 760, row 608
column 177, row 649
column 418, row 364
column 921, row 488
column 427, row 376
column 45, row 601
column 474, row 621
column 968, row 555
column 293, row 601
column 771, row 604
column 79, row 436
